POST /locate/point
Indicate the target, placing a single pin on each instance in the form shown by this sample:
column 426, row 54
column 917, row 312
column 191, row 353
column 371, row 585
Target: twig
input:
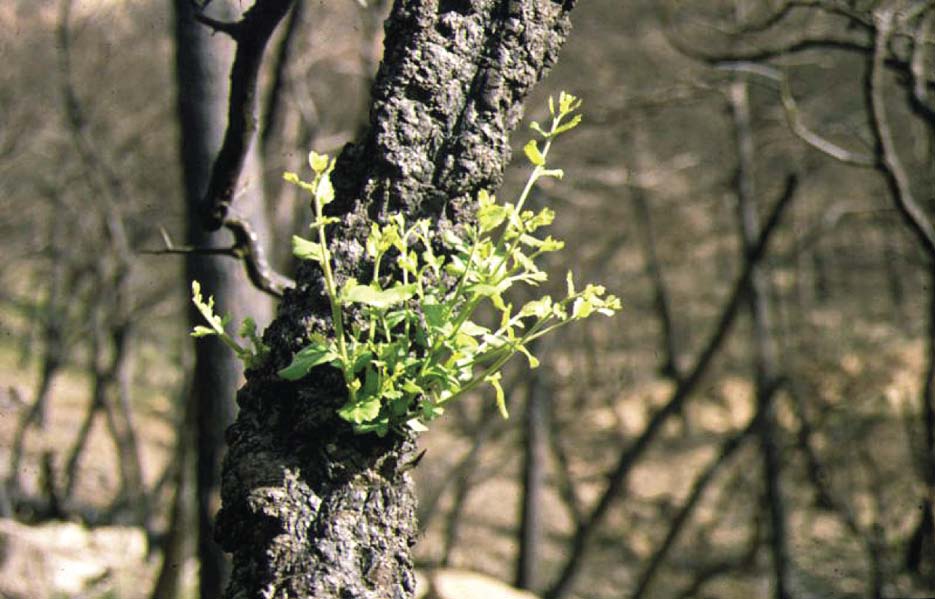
column 253, row 32
column 677, row 523
column 793, row 116
column 565, row 483
column 246, row 248
column 232, row 29
column 890, row 164
column 629, row 456
column 274, row 97
column 671, row 366
column 918, row 65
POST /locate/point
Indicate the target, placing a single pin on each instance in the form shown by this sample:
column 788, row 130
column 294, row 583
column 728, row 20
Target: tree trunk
column 765, row 359
column 535, row 455
column 309, row 508
column 202, row 63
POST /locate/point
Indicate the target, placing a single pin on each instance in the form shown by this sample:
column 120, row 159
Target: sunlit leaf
column 294, row 179
column 360, row 411
column 306, row 250
column 574, row 122
column 318, row 162
column 309, row 357
column 532, row 152
column 378, row 298
column 324, row 193
column 494, row 380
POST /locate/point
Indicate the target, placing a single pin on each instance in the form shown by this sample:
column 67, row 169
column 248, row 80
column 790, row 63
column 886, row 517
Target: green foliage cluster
column 250, row 356
column 416, row 347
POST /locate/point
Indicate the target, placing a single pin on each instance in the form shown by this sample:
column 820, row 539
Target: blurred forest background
column 754, row 178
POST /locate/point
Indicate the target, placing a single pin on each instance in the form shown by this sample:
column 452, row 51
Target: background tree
column 202, row 67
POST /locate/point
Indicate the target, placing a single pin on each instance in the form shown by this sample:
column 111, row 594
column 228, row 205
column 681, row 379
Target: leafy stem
column 420, row 349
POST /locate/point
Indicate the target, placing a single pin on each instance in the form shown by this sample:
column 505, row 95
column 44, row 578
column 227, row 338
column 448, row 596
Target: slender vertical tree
column 202, row 63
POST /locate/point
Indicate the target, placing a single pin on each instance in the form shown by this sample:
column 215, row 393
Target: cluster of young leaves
column 251, row 356
column 417, row 347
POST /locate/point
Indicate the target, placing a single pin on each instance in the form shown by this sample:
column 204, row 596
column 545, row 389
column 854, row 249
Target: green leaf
column 488, row 290
column 378, row 298
column 494, row 380
column 318, row 162
column 473, row 329
column 538, row 129
column 532, row 152
column 294, row 179
column 361, row 360
column 411, row 387
column 324, row 193
column 567, row 103
column 582, row 308
column 574, row 122
column 543, row 218
column 540, row 308
column 525, row 261
column 394, row 318
column 306, row 359
column 380, row 427
column 202, row 331
column 409, row 262
column 570, row 283
column 491, row 216
column 452, row 240
column 533, row 360
column 434, row 313
column 363, row 410
column 306, row 250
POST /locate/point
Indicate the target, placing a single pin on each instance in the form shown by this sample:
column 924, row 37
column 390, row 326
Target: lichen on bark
column 309, row 508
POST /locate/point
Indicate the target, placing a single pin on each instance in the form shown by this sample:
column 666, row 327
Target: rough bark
column 202, row 63
column 310, row 509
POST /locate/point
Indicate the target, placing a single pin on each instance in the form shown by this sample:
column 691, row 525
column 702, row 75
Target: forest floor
column 485, row 539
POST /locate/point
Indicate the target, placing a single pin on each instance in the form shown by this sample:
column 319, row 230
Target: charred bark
column 309, row 508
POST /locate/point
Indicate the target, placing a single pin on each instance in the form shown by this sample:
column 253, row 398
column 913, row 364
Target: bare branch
column 617, row 478
column 919, row 66
column 823, row 145
column 231, row 29
column 283, row 55
column 249, row 249
column 677, row 523
column 794, row 117
column 890, row 164
column 246, row 248
column 254, row 31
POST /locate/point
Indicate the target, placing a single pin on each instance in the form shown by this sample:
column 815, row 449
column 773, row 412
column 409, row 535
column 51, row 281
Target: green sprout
column 419, row 347
column 217, row 326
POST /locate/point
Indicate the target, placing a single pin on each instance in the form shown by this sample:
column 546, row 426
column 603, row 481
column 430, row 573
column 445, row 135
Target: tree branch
column 897, row 180
column 247, row 248
column 617, row 478
column 253, row 32
column 677, row 523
